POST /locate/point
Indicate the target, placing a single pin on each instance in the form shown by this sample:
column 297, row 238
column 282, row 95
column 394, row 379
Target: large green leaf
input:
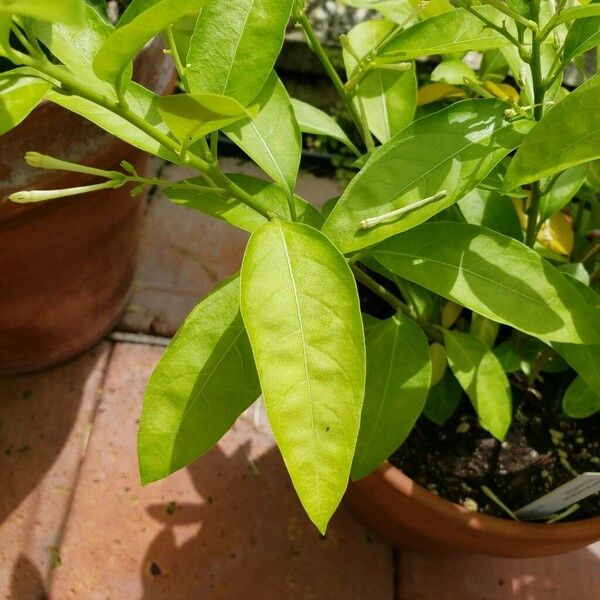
column 585, row 359
column 452, row 32
column 451, row 150
column 133, row 32
column 578, row 12
column 490, row 209
column 315, row 121
column 204, row 381
column 76, row 45
column 300, row 306
column 19, row 95
column 193, row 116
column 273, row 138
column 581, row 401
column 481, row 376
column 584, row 34
column 235, row 46
column 64, row 11
column 496, row 276
column 232, row 211
column 389, row 97
column 140, row 100
column 568, row 135
column 562, row 190
column 398, row 377
column 443, row 399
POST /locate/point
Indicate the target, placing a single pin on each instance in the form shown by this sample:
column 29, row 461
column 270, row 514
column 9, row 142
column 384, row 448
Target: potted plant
column 67, row 268
column 454, row 281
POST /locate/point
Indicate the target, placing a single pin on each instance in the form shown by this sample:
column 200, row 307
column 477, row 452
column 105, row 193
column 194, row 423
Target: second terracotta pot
column 66, row 267
column 406, row 514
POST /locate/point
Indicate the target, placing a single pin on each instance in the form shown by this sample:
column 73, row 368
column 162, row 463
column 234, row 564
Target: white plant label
column 566, row 495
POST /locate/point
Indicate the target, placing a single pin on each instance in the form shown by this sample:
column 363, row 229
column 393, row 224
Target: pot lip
column 460, row 516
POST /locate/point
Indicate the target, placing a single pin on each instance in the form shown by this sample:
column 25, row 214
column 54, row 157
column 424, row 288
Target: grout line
column 71, row 500
column 138, row 338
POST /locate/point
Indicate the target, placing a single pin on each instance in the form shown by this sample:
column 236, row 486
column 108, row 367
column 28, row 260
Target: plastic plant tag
column 570, row 493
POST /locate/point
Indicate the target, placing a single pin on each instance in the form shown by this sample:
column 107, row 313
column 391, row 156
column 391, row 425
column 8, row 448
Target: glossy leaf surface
column 451, row 151
column 204, row 381
column 193, row 116
column 19, row 95
column 273, row 138
column 235, row 45
column 137, row 26
column 448, row 33
column 567, row 136
column 495, row 276
column 398, row 377
column 315, row 121
column 483, row 379
column 389, row 98
column 64, row 11
column 300, row 306
column 241, row 215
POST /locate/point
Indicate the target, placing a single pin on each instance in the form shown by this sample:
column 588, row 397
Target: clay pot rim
column 461, row 517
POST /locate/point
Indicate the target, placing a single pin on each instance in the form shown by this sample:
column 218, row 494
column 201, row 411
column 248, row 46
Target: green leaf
column 140, row 23
column 235, row 46
column 562, row 191
column 583, row 35
column 585, row 359
column 389, row 97
column 443, row 399
column 398, row 376
column 452, row 32
column 232, row 211
column 580, row 401
column 483, row 379
column 395, row 10
column 453, row 72
column 509, row 357
column 140, row 100
column 495, row 276
column 204, row 381
column 63, row 11
column 19, row 95
column 314, row 121
column 76, row 45
column 578, row 12
column 567, row 136
column 193, row 116
column 300, row 306
column 272, row 140
column 450, row 151
column 492, row 210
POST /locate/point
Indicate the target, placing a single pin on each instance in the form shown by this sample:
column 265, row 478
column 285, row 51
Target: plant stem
column 318, row 49
column 394, row 302
column 170, row 39
column 501, row 30
column 539, row 93
column 211, row 171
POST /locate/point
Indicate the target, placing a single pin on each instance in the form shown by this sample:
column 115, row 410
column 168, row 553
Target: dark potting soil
column 543, row 450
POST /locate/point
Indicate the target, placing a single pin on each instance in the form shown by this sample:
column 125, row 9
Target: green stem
column 73, row 85
column 397, row 304
column 318, row 49
column 170, row 39
column 539, row 92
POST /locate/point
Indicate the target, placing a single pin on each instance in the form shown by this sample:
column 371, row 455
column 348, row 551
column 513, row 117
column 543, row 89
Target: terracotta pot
column 66, row 267
column 408, row 515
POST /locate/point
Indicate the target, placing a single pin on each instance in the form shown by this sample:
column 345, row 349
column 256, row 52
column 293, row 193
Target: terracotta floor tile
column 574, row 576
column 44, row 420
column 227, row 528
column 185, row 254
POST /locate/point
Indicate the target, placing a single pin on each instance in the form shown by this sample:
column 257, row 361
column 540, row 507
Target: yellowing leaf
column 503, row 91
column 434, row 92
column 557, row 234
